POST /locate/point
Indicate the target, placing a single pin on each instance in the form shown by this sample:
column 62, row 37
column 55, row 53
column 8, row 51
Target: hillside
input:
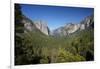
column 33, row 46
column 70, row 28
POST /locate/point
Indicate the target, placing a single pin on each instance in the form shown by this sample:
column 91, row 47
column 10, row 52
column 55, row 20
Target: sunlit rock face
column 73, row 27
column 65, row 30
column 42, row 26
column 87, row 22
column 28, row 24
column 35, row 25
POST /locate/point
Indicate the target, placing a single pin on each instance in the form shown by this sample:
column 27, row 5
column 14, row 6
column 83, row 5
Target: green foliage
column 35, row 47
column 66, row 56
column 38, row 48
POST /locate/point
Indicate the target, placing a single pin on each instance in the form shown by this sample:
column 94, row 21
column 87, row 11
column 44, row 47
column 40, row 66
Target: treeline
column 37, row 48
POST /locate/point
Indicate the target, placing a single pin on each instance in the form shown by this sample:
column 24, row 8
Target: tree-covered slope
column 39, row 48
column 34, row 47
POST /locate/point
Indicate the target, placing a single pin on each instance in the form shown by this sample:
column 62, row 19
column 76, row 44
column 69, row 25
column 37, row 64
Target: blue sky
column 55, row 16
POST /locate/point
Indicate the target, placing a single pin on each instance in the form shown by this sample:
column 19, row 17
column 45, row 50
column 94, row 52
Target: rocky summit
column 65, row 30
column 35, row 25
column 42, row 26
column 70, row 28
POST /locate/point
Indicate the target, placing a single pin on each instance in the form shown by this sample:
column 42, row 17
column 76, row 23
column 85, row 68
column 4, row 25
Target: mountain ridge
column 33, row 26
column 35, row 47
column 65, row 30
column 72, row 27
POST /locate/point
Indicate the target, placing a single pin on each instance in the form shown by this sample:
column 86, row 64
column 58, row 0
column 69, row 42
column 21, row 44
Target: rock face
column 42, row 26
column 28, row 24
column 61, row 31
column 87, row 22
column 66, row 30
column 34, row 26
column 73, row 27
